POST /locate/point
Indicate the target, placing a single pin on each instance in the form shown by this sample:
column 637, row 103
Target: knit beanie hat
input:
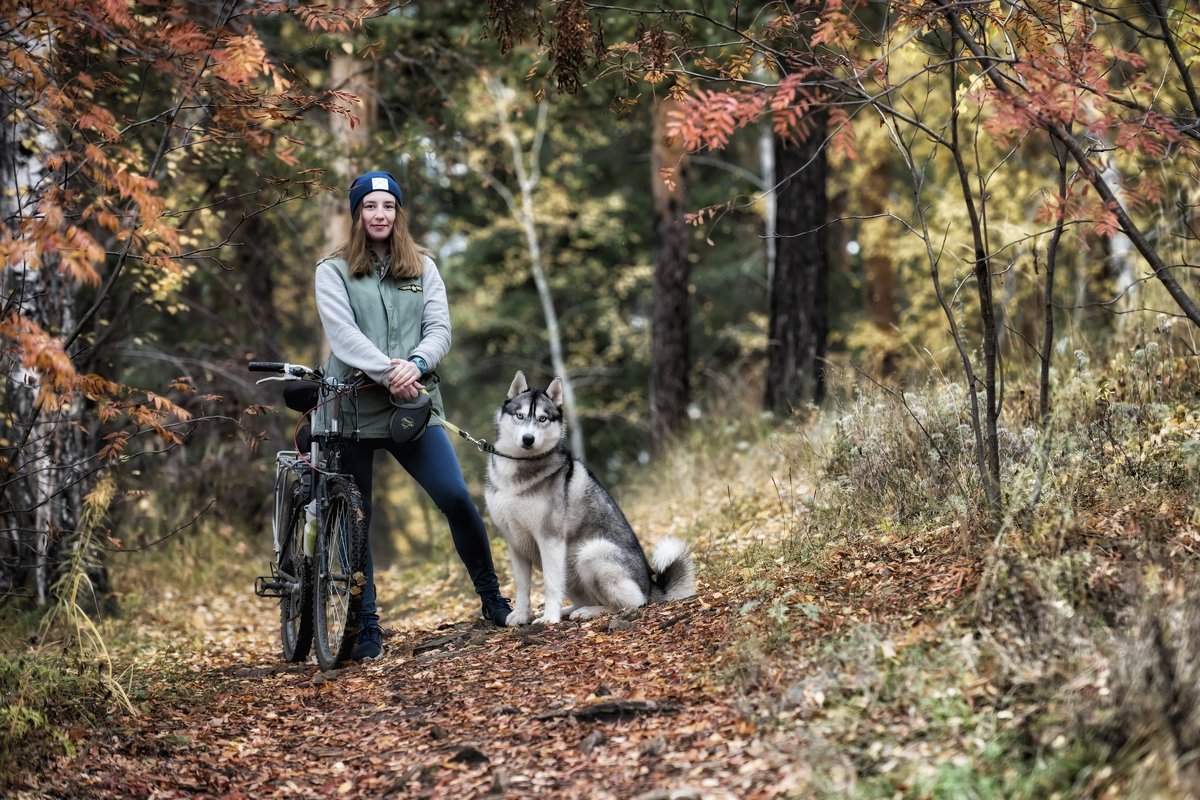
column 373, row 182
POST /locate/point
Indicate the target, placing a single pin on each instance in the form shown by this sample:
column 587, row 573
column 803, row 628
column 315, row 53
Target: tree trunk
column 670, row 356
column 350, row 139
column 799, row 323
column 260, row 260
column 879, row 272
column 527, row 167
column 41, row 479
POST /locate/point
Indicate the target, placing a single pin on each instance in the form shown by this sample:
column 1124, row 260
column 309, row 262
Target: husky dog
column 556, row 515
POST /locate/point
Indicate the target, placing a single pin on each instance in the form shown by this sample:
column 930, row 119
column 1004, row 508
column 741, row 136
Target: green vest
column 388, row 311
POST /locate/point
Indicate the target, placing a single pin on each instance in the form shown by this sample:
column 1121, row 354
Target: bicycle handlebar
column 291, row 370
column 266, row 366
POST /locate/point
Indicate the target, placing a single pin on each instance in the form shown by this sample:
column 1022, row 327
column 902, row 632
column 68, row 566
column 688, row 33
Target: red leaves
column 47, row 368
column 116, row 445
column 45, row 363
column 78, row 254
column 709, row 119
column 100, row 120
column 842, row 140
column 90, row 174
column 834, row 28
column 242, row 60
column 322, row 18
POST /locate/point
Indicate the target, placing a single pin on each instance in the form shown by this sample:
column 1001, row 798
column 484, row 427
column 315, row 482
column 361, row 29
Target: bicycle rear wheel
column 339, row 564
column 295, row 573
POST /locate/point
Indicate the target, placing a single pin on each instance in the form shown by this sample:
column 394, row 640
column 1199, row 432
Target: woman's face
column 378, row 211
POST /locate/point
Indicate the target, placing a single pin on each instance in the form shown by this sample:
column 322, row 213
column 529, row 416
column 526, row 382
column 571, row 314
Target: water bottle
column 310, row 528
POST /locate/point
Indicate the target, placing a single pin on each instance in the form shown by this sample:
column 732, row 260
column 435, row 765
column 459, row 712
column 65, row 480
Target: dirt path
column 635, row 705
column 617, row 707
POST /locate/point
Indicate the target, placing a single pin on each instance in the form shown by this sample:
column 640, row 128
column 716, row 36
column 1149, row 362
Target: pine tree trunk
column 670, row 356
column 799, row 323
column 879, row 271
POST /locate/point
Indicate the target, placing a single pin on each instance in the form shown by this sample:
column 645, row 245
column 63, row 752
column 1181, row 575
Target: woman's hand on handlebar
column 403, row 379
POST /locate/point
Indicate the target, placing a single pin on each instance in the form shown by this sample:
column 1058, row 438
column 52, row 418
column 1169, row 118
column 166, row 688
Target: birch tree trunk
column 527, row 168
column 42, row 454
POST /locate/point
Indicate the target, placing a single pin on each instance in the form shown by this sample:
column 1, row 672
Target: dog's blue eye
column 520, row 416
column 543, row 418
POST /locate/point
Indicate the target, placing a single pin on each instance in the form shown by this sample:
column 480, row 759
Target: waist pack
column 410, row 418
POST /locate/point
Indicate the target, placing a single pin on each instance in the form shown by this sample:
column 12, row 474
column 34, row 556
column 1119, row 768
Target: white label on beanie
column 379, row 184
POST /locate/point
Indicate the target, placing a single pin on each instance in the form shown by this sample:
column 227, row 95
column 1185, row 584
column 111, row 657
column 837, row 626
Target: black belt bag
column 410, row 418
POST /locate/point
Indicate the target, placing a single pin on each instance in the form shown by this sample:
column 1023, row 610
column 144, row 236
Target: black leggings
column 432, row 463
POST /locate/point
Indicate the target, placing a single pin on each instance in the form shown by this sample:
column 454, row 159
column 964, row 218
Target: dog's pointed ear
column 518, row 385
column 555, row 392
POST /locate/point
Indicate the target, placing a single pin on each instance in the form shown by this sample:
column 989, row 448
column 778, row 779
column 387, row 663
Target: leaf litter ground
column 650, row 703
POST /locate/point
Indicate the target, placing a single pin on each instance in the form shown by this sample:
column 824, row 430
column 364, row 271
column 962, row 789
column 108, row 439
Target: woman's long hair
column 407, row 255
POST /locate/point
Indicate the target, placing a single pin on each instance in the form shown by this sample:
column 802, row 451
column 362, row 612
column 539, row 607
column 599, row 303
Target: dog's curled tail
column 676, row 574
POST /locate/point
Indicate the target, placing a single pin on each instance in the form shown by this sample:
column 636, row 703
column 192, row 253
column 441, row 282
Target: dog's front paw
column 589, row 612
column 548, row 619
column 518, row 617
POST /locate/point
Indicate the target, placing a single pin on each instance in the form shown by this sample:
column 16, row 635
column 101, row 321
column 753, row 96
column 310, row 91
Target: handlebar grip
column 266, row 366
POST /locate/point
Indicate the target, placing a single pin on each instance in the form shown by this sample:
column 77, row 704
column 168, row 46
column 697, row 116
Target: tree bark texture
column 879, row 273
column 348, row 143
column 670, row 347
column 42, row 482
column 799, row 323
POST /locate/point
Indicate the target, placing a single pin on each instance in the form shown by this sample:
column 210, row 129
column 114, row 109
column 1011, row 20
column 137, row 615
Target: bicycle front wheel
column 296, row 597
column 340, row 563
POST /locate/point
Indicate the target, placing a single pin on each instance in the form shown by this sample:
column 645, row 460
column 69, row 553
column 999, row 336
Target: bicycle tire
column 295, row 602
column 338, row 566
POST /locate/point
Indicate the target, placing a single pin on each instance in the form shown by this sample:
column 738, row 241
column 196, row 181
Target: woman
column 383, row 306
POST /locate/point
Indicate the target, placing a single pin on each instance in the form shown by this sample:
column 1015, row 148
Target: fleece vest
column 388, row 311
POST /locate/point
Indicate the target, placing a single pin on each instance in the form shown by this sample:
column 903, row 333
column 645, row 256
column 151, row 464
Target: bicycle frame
column 318, row 504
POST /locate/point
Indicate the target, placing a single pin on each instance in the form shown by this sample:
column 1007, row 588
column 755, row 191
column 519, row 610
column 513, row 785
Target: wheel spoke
column 339, row 568
column 293, row 573
column 336, row 575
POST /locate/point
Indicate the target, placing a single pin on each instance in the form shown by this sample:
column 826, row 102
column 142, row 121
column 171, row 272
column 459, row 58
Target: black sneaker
column 496, row 609
column 369, row 645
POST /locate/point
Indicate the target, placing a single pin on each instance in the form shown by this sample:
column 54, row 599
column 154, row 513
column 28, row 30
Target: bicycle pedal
column 268, row 586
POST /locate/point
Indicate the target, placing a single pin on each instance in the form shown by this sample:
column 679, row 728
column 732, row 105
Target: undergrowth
column 1067, row 663
column 56, row 673
column 1070, row 666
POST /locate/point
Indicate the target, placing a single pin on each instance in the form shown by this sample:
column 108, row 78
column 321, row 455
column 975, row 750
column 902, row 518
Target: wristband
column 420, row 363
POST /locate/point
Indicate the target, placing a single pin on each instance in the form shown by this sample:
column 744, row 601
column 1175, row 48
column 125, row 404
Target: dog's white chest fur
column 524, row 518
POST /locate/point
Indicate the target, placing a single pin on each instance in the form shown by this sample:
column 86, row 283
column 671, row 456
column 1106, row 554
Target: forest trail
column 634, row 705
column 465, row 710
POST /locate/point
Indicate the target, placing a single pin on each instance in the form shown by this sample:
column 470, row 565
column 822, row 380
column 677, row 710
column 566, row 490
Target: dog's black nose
column 527, row 440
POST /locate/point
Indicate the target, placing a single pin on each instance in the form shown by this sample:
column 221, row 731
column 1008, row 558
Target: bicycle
column 319, row 530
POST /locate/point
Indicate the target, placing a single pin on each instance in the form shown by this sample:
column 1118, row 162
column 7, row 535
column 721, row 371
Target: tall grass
column 62, row 673
column 1082, row 625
